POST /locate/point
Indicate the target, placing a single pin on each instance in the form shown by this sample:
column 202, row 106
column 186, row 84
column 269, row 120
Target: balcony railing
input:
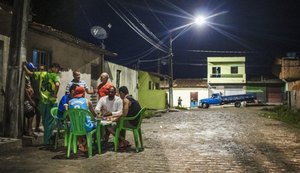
column 226, row 75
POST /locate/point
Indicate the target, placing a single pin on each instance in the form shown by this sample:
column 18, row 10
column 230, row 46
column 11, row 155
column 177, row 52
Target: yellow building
column 226, row 74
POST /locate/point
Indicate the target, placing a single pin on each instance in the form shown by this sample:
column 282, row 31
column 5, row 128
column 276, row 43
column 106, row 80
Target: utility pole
column 14, row 94
column 171, row 72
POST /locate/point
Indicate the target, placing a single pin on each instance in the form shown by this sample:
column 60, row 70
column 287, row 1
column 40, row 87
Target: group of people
column 112, row 102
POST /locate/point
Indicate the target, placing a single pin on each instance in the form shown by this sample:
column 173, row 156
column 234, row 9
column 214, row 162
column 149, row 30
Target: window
column 216, row 71
column 234, row 70
column 40, row 57
column 150, row 85
column 156, row 86
column 95, row 71
column 118, row 79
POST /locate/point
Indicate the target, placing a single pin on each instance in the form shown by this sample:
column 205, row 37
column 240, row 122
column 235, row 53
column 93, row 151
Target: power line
column 224, row 52
column 158, row 45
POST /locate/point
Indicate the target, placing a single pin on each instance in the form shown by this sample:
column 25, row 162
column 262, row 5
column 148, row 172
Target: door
column 194, row 99
column 274, row 94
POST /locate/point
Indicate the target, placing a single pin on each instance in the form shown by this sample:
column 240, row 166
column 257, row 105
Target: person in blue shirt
column 79, row 102
column 64, row 100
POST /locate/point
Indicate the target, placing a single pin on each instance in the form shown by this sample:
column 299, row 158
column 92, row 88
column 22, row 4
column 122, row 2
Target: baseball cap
column 31, row 66
column 79, row 92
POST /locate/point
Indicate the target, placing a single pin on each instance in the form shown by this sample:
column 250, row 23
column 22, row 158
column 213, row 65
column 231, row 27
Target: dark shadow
column 247, row 156
column 276, row 156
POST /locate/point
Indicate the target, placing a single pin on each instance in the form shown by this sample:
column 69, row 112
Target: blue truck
column 218, row 99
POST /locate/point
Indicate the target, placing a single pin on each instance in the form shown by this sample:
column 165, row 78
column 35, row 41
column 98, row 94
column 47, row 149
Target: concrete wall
column 4, row 51
column 294, row 89
column 154, row 98
column 226, row 63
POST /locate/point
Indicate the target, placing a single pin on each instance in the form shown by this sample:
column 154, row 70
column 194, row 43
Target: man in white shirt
column 110, row 105
column 111, row 108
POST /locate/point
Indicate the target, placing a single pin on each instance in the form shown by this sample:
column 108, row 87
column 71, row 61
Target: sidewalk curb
column 10, row 144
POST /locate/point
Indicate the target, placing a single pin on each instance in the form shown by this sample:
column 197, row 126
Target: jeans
column 47, row 120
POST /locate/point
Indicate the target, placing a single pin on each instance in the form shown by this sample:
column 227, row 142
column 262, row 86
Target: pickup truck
column 218, row 99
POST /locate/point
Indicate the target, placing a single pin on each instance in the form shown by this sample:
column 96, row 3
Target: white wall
column 184, row 93
column 128, row 77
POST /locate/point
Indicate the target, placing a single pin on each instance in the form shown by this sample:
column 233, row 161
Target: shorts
column 29, row 114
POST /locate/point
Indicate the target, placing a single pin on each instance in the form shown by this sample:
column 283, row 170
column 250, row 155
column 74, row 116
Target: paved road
column 202, row 140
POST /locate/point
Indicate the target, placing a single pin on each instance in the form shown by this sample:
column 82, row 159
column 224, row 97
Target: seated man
column 110, row 107
column 79, row 102
column 130, row 108
column 64, row 100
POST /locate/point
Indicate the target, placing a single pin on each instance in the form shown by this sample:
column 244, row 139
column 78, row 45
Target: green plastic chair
column 137, row 133
column 77, row 118
column 60, row 124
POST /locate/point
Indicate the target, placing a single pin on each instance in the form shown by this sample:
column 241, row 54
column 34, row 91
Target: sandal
column 38, row 130
column 125, row 144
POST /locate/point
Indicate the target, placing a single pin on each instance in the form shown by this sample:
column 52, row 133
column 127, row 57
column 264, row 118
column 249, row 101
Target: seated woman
column 79, row 102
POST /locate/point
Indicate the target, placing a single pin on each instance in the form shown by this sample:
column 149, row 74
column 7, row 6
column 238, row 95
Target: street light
column 199, row 20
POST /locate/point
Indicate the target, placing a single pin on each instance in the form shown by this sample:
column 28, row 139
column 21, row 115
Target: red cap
column 79, row 92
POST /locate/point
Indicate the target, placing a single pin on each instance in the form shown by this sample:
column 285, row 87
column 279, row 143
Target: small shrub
column 181, row 108
column 282, row 113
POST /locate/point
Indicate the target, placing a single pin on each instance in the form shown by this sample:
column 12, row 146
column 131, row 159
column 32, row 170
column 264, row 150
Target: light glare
column 200, row 20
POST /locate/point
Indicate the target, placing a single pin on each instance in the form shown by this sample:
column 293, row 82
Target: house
column 288, row 70
column 189, row 90
column 226, row 75
column 150, row 94
column 46, row 45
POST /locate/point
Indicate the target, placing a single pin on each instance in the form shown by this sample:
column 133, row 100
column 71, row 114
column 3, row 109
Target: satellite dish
column 99, row 32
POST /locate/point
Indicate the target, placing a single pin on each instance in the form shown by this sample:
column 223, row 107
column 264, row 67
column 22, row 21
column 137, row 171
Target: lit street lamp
column 200, row 20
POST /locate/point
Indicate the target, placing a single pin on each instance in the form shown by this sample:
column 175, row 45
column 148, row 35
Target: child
column 29, row 106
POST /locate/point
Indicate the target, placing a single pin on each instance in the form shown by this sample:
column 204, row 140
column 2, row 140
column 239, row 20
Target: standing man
column 179, row 102
column 48, row 86
column 76, row 80
column 104, row 86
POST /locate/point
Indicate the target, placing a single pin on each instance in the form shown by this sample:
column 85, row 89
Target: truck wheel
column 205, row 105
column 237, row 104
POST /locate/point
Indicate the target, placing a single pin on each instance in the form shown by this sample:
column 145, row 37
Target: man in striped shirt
column 76, row 80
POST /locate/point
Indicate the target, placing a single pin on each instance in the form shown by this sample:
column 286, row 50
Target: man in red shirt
column 104, row 86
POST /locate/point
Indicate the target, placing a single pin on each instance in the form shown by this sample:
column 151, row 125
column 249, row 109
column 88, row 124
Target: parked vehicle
column 218, row 99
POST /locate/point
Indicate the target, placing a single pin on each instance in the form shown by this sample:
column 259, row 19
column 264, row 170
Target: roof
column 190, row 83
column 186, row 83
column 68, row 38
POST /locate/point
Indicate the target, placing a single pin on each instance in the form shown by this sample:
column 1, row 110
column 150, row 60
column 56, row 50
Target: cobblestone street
column 200, row 140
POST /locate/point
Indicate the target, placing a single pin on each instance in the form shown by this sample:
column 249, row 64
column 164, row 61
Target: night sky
column 261, row 30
